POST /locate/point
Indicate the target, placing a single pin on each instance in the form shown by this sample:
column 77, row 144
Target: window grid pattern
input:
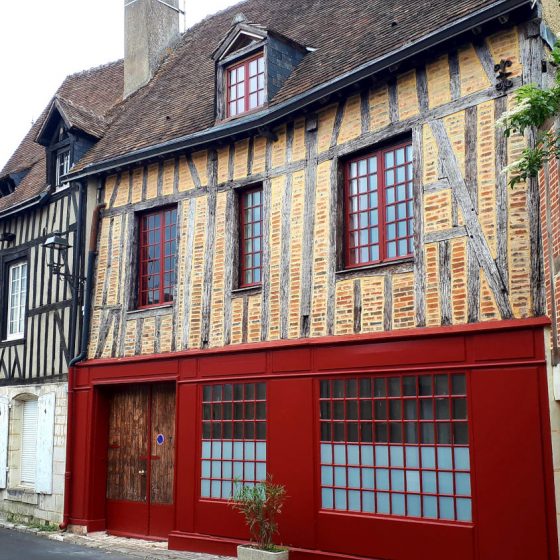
column 17, row 298
column 233, row 438
column 379, row 195
column 245, row 86
column 396, row 446
column 62, row 166
column 158, row 252
column 251, row 238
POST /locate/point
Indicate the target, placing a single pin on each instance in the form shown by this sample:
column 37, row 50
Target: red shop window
column 396, row 445
column 233, row 437
column 379, row 214
column 158, row 252
column 250, row 242
column 245, row 86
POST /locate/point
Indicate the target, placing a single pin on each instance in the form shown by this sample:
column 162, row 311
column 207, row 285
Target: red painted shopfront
column 425, row 444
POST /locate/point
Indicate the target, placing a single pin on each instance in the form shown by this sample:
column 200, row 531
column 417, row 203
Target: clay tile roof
column 86, row 98
column 81, row 118
column 180, row 99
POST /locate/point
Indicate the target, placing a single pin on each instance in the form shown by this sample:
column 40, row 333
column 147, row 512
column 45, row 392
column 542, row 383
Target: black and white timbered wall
column 53, row 309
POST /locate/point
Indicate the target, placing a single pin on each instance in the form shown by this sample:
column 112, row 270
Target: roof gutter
column 283, row 109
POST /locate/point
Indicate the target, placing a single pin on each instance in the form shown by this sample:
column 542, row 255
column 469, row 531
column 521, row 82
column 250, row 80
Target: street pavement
column 26, row 546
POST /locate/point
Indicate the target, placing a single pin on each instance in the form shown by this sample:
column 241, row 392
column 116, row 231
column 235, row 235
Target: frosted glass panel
column 354, row 500
column 353, row 454
column 327, row 498
column 327, row 476
column 354, row 478
column 445, row 483
column 412, row 456
column 397, row 456
column 464, row 512
column 413, row 504
column 413, row 481
column 382, row 479
column 340, row 454
column 367, row 455
column 397, row 504
column 381, row 456
column 383, row 502
column 428, row 458
column 368, row 502
column 446, row 510
column 340, row 499
column 430, row 506
column 326, row 453
column 462, row 461
column 206, row 447
column 445, row 460
column 463, row 484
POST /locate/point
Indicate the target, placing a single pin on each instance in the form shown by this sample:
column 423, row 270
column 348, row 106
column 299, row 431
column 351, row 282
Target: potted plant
column 260, row 504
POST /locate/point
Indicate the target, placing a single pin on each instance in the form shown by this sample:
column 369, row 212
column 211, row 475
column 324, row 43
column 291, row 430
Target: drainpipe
column 92, row 254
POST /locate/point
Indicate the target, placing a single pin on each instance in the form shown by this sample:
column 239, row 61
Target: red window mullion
column 246, row 84
column 382, row 207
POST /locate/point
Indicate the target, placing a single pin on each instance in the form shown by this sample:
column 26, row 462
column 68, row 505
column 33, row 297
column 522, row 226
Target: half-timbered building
column 311, row 265
column 44, row 227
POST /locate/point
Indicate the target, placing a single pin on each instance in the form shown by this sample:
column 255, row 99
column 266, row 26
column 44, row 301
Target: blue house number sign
column 160, row 440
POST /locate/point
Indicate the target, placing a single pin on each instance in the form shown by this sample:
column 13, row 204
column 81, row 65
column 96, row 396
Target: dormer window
column 246, row 85
column 252, row 64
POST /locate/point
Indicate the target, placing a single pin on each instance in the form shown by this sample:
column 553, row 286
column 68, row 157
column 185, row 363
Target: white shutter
column 45, row 444
column 29, row 442
column 4, row 423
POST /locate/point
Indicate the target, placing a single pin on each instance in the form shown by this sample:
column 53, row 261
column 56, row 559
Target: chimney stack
column 150, row 27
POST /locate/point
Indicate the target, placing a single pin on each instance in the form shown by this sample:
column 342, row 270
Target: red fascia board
column 510, row 324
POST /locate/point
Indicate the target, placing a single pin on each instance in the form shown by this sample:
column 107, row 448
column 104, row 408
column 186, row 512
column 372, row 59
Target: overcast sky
column 42, row 41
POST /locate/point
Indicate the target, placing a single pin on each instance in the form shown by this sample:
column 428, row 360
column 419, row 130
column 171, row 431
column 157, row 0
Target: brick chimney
column 150, row 27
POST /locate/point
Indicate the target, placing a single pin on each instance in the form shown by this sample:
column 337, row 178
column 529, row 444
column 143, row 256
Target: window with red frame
column 250, row 242
column 245, row 86
column 396, row 445
column 233, row 437
column 379, row 216
column 158, row 252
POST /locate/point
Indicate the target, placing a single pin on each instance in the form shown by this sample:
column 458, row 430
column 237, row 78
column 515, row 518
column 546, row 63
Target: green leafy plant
column 534, row 108
column 261, row 505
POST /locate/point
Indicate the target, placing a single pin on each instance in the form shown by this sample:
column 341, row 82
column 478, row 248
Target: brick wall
column 303, row 188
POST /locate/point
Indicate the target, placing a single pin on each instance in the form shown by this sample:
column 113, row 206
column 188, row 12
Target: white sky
column 42, row 41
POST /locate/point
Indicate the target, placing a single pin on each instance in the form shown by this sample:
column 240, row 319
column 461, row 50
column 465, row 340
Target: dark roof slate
column 87, row 99
column 180, row 99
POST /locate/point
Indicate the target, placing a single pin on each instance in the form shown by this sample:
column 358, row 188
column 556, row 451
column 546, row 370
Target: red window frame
column 234, row 435
column 418, row 416
column 162, row 238
column 250, row 243
column 361, row 220
column 246, row 81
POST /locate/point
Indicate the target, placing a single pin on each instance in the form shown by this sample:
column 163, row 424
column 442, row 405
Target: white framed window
column 17, row 300
column 62, row 167
column 29, row 443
